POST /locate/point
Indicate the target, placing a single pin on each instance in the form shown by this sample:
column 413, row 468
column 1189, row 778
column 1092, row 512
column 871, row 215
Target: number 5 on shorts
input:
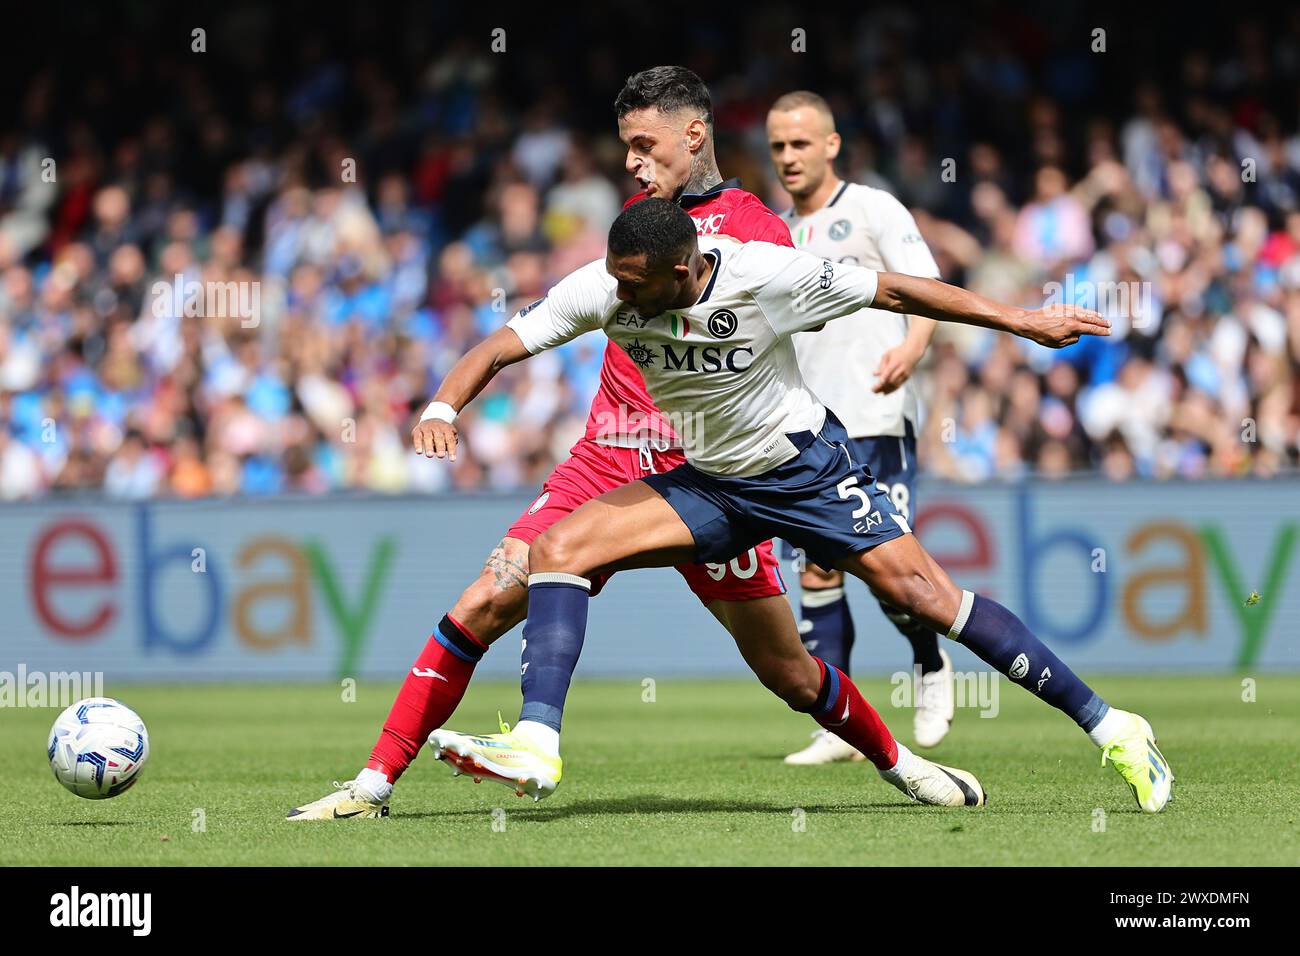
column 849, row 488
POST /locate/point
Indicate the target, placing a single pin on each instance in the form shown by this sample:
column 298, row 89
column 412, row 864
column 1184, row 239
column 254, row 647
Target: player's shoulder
column 593, row 273
column 761, row 224
column 742, row 199
column 755, row 259
column 728, row 195
column 731, row 209
column 727, row 247
column 748, row 204
column 862, row 196
column 586, row 287
column 879, row 206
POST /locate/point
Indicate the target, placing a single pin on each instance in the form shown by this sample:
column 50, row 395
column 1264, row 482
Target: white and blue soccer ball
column 98, row 747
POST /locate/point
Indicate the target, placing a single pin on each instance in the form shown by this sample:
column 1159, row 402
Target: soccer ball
column 98, row 747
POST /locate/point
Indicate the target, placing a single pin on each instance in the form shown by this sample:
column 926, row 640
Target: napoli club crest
column 839, row 230
column 723, row 324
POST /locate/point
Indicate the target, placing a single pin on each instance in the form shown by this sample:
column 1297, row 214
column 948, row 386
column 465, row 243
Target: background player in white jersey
column 861, row 366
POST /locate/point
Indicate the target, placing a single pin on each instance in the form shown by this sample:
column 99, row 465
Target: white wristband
column 439, row 410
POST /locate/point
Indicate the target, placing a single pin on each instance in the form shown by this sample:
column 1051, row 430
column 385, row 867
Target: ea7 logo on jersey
column 709, row 225
column 723, row 324
column 628, row 319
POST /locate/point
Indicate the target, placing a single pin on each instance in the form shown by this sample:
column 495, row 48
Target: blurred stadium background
column 1126, row 496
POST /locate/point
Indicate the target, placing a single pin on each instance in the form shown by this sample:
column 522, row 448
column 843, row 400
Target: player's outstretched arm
column 1055, row 326
column 471, row 373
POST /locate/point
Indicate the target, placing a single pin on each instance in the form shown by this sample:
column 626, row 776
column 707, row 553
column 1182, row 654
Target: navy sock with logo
column 826, row 626
column 1001, row 639
column 553, row 636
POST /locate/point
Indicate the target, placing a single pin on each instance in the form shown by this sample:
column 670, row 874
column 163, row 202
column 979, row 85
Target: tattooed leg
column 498, row 598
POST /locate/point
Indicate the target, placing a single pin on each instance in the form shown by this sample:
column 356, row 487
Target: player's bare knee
column 557, row 549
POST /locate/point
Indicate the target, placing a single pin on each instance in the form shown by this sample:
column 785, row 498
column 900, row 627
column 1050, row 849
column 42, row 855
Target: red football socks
column 842, row 710
column 431, row 692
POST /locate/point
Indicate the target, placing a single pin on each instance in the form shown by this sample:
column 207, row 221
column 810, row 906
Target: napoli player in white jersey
column 709, row 323
column 860, row 366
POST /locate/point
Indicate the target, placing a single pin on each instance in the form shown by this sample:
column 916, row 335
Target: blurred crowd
column 369, row 217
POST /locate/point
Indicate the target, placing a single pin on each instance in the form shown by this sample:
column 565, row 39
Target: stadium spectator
column 383, row 216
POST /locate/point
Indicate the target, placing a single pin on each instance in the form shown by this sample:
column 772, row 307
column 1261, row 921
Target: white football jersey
column 868, row 227
column 723, row 371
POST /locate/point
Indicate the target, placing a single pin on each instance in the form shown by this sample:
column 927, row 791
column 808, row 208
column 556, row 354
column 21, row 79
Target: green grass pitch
column 693, row 777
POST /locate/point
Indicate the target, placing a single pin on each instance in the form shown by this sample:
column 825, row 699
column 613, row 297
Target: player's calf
column 929, row 600
column 797, row 682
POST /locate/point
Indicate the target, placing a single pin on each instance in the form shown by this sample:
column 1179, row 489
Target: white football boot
column 825, row 748
column 348, row 801
column 927, row 782
column 935, row 704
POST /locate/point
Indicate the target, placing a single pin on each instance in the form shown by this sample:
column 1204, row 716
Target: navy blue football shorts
column 824, row 500
column 891, row 459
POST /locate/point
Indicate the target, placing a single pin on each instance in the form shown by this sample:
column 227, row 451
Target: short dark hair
column 667, row 89
column 659, row 229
